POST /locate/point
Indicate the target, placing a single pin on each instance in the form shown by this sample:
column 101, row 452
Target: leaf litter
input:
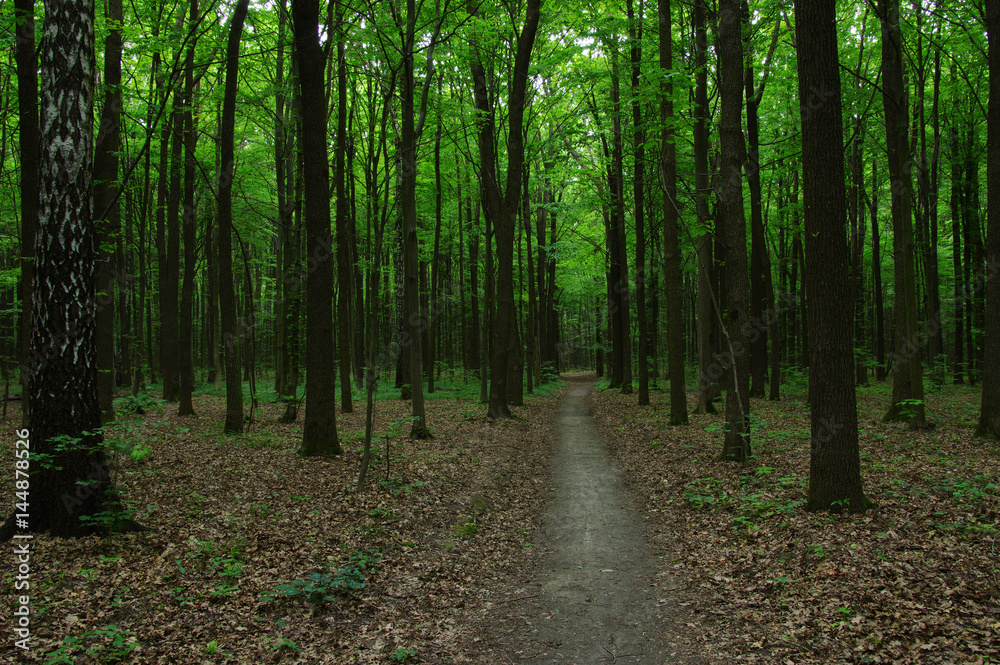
column 258, row 555
column 914, row 580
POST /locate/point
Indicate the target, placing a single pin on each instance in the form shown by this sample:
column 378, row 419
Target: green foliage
column 323, row 587
column 401, row 655
column 109, row 644
column 140, row 453
column 754, row 498
column 972, row 490
column 286, row 645
column 467, row 529
column 139, row 403
column 395, row 485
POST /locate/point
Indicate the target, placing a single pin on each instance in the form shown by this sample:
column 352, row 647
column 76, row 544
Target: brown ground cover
column 916, row 580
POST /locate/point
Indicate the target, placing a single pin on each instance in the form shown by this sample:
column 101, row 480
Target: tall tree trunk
column 858, row 225
column 736, row 297
column 106, row 204
column 474, row 331
column 28, row 151
column 411, row 243
column 227, row 290
column 880, row 364
column 432, row 321
column 345, row 271
column 908, row 387
column 708, row 388
column 283, row 230
column 185, row 342
column 169, row 311
column 532, row 332
column 671, row 228
column 989, row 414
column 63, row 377
column 758, row 247
column 835, row 464
column 319, row 432
column 139, row 381
column 638, row 184
column 617, row 182
column 975, row 253
column 489, row 302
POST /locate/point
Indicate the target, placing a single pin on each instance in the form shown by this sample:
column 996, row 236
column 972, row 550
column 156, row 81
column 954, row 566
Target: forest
column 313, row 313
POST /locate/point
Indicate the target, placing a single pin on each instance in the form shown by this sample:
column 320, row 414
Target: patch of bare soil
column 258, row 555
column 915, row 580
column 597, row 593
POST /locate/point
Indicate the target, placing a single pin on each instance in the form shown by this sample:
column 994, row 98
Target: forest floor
column 914, row 580
column 463, row 548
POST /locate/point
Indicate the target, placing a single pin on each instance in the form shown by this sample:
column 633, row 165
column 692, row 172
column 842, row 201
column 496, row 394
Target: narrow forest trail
column 597, row 596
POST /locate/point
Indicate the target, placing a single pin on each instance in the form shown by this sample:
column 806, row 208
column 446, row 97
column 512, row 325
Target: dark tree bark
column 138, row 378
column 835, row 465
column 169, row 311
column 434, row 307
column 989, row 414
column 163, row 270
column 28, row 142
column 975, row 254
column 345, row 272
column 319, row 432
column 708, row 387
column 65, row 415
column 489, row 303
column 928, row 198
column 858, row 224
column 908, row 386
column 227, row 290
column 732, row 224
column 474, row 331
column 880, row 365
column 532, row 328
column 620, row 287
column 638, row 193
column 671, row 228
column 283, row 242
column 410, row 135
column 774, row 335
column 758, row 248
column 106, row 204
column 185, row 321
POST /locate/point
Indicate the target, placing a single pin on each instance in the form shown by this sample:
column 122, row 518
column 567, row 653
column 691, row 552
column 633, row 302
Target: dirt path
column 596, row 597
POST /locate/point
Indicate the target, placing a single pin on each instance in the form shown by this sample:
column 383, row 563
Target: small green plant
column 140, row 453
column 705, row 492
column 109, row 644
column 395, row 486
column 971, row 490
column 211, row 648
column 467, row 529
column 138, row 404
column 402, row 655
column 114, row 518
column 911, row 408
column 286, row 645
column 323, row 587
